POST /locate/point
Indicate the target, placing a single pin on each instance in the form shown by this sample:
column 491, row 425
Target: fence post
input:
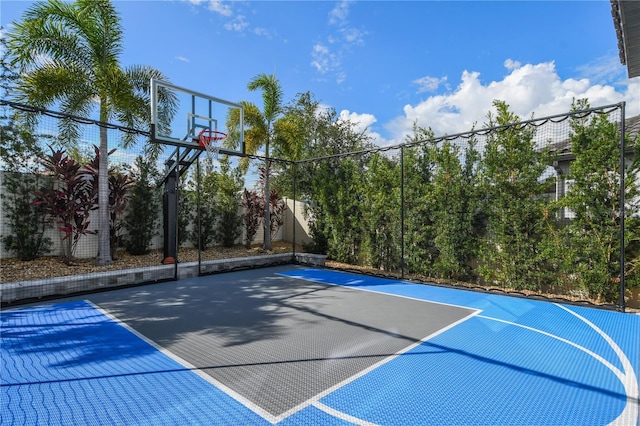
column 402, row 211
column 294, row 165
column 622, row 206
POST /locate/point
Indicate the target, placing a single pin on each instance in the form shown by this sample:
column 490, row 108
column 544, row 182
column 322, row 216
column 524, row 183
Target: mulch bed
column 12, row 269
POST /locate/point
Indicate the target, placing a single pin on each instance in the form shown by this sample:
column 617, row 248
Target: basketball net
column 210, row 141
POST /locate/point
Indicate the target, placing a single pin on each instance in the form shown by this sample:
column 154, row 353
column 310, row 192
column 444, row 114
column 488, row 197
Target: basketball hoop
column 209, row 140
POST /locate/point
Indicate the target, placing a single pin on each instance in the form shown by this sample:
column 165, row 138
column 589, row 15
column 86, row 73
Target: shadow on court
column 275, row 340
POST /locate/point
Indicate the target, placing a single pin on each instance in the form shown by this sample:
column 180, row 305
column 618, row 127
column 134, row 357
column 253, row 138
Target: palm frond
column 272, row 94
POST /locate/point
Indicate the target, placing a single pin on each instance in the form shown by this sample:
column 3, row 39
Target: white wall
column 88, row 244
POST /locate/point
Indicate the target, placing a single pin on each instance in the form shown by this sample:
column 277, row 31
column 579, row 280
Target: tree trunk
column 267, row 206
column 104, row 243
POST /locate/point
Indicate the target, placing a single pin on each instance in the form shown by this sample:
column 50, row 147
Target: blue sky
column 385, row 64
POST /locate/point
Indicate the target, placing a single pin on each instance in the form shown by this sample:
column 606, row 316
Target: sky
column 385, row 65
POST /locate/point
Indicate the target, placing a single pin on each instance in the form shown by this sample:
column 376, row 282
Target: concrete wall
column 63, row 286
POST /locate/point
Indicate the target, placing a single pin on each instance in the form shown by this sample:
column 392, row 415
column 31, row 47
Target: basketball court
column 293, row 345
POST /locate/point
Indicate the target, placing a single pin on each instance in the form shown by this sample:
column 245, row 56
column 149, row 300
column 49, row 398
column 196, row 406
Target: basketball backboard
column 195, row 112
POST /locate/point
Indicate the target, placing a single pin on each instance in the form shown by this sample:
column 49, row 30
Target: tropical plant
column 457, row 216
column 227, row 199
column 322, row 132
column 68, row 201
column 77, row 46
column 186, row 211
column 339, row 197
column 119, row 194
column 419, row 203
column 203, row 235
column 265, row 128
column 381, row 193
column 278, row 207
column 253, row 205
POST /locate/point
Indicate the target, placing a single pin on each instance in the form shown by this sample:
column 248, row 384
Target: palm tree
column 265, row 128
column 69, row 55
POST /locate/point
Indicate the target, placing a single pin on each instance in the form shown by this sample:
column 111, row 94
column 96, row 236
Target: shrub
column 144, row 207
column 68, row 200
column 26, row 219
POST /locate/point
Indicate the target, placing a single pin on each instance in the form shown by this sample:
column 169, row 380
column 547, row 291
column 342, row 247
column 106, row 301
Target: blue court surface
column 507, row 361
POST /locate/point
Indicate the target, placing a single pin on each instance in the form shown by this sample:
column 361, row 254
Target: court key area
column 290, row 345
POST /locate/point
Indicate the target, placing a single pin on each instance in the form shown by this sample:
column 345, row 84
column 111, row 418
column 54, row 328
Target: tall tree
column 592, row 237
column 77, row 45
column 265, row 128
column 514, row 185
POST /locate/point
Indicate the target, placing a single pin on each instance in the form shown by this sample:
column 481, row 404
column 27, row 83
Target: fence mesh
column 532, row 207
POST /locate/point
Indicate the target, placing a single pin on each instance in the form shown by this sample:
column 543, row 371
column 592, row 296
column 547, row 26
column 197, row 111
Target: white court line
column 629, row 415
column 628, row 379
column 233, row 394
column 318, row 397
column 311, row 401
column 343, row 416
column 348, row 285
column 315, row 401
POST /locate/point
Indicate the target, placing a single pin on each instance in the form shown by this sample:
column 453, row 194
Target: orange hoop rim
column 206, row 136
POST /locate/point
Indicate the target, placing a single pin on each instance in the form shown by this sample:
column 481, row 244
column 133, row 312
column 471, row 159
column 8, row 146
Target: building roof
column 626, row 21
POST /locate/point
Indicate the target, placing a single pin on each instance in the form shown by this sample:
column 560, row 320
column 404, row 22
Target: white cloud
column 262, row 32
column 362, row 124
column 339, row 13
column 429, row 84
column 323, row 60
column 238, row 24
column 361, row 121
column 182, row 59
column 510, row 64
column 605, row 69
column 216, row 6
column 353, row 36
column 343, row 39
column 219, row 7
column 528, row 89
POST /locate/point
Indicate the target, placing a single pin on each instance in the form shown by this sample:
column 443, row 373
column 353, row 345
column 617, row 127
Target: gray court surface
column 275, row 341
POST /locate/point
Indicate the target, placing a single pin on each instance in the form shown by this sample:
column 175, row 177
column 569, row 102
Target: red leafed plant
column 277, row 206
column 253, row 210
column 69, row 199
column 119, row 194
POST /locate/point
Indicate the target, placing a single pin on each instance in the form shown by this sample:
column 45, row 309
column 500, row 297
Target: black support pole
column 402, row 211
column 169, row 202
column 622, row 207
column 293, row 165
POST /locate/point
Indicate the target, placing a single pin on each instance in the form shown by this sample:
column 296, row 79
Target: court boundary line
column 330, row 390
column 391, row 280
column 190, row 367
column 342, row 416
column 628, row 379
column 274, row 419
column 316, row 399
